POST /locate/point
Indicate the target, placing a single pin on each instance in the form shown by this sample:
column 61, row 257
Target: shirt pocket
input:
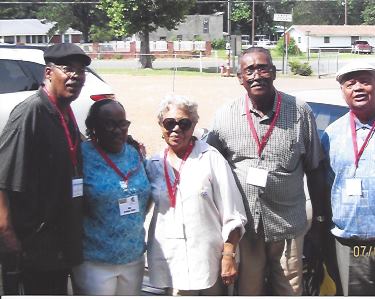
column 290, row 156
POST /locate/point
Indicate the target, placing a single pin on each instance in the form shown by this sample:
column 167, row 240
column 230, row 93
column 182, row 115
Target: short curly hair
column 181, row 102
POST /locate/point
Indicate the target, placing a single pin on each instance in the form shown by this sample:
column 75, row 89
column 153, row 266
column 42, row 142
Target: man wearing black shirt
column 40, row 181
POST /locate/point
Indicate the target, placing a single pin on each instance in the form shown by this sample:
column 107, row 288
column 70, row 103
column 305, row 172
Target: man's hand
column 8, row 239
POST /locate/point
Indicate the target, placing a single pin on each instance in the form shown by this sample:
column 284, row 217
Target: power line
column 50, row 2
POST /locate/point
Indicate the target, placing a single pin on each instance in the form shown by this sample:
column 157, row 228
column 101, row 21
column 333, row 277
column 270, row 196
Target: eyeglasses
column 70, row 70
column 170, row 123
column 261, row 69
column 111, row 125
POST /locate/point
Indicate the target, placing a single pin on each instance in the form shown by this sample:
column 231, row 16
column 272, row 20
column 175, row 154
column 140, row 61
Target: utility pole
column 253, row 25
column 346, row 12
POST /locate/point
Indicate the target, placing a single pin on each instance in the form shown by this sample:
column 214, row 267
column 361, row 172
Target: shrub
column 218, row 44
column 298, row 68
column 292, row 47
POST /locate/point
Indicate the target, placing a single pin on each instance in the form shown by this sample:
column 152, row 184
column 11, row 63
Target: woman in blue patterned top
column 116, row 191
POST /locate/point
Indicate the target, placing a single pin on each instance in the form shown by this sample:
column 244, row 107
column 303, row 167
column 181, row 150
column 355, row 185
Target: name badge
column 77, row 187
column 353, row 187
column 128, row 205
column 257, row 177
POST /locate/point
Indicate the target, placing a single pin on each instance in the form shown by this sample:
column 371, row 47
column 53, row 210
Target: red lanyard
column 111, row 164
column 357, row 155
column 263, row 143
column 72, row 147
column 172, row 189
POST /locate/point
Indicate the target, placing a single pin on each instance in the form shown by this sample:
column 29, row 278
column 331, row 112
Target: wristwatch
column 227, row 253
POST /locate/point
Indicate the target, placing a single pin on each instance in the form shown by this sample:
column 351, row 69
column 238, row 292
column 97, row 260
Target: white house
column 330, row 36
column 33, row 31
column 207, row 27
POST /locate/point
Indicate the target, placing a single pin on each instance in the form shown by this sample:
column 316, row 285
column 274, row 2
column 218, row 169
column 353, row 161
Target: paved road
column 328, row 64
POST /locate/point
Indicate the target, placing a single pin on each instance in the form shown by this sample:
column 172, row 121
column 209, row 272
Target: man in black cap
column 40, row 181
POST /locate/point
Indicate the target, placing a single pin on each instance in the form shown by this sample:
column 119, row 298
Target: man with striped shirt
column 271, row 141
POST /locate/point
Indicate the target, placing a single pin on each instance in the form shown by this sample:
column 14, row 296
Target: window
column 326, row 40
column 206, row 27
column 17, row 79
column 28, row 39
column 34, row 39
column 299, row 39
column 18, row 38
column 179, row 37
column 66, row 38
column 9, row 39
column 353, row 39
column 40, row 39
column 163, row 38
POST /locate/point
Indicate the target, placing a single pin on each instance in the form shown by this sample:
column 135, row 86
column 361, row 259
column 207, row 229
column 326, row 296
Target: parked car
column 22, row 71
column 361, row 46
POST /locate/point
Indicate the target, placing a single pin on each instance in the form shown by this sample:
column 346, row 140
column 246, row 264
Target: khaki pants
column 278, row 262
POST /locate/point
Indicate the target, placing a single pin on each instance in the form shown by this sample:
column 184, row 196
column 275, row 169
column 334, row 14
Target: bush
column 292, row 47
column 218, row 44
column 298, row 68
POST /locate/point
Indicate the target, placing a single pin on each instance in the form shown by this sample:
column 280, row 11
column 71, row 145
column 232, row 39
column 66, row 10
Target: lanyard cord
column 264, row 141
column 72, row 146
column 172, row 189
column 357, row 155
column 111, row 164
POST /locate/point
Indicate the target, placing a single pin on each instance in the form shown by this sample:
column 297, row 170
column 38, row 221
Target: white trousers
column 96, row 278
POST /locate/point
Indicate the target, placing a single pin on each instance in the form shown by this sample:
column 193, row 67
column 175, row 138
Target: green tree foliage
column 144, row 16
column 18, row 11
column 79, row 15
column 368, row 13
column 292, row 47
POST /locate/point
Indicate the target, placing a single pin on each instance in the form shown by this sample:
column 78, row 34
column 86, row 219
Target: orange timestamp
column 363, row 250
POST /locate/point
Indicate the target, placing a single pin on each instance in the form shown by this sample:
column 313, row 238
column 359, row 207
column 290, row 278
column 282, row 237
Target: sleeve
column 328, row 171
column 214, row 136
column 314, row 153
column 16, row 150
column 227, row 197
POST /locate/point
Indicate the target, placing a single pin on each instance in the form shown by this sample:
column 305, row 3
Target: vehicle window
column 36, row 70
column 325, row 114
column 13, row 77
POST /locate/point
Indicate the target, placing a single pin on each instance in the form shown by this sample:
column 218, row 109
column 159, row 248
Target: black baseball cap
column 65, row 54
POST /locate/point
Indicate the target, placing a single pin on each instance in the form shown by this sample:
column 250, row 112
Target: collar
column 268, row 115
column 360, row 125
column 199, row 148
column 47, row 103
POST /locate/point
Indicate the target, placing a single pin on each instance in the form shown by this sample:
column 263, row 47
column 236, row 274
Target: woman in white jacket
column 199, row 215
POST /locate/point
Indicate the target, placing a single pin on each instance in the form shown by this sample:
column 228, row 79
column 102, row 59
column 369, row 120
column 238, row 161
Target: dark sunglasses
column 170, row 123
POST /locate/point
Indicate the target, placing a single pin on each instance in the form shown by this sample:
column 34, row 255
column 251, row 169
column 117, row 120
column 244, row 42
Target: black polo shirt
column 36, row 172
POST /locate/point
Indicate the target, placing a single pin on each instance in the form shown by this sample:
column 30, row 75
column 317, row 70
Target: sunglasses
column 170, row 123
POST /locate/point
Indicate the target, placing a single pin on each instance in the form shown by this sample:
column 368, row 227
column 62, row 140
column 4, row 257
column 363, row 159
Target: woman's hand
column 228, row 270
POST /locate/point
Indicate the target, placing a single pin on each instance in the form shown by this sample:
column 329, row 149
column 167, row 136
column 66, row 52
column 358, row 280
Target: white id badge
column 353, row 187
column 77, row 187
column 257, row 177
column 128, row 205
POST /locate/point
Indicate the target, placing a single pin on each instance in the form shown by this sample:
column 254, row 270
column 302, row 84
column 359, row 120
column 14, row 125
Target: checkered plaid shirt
column 292, row 149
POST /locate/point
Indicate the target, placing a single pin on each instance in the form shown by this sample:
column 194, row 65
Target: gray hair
column 181, row 102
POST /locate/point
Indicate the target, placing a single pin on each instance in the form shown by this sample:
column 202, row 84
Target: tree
column 128, row 17
column 18, row 11
column 80, row 16
column 368, row 13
